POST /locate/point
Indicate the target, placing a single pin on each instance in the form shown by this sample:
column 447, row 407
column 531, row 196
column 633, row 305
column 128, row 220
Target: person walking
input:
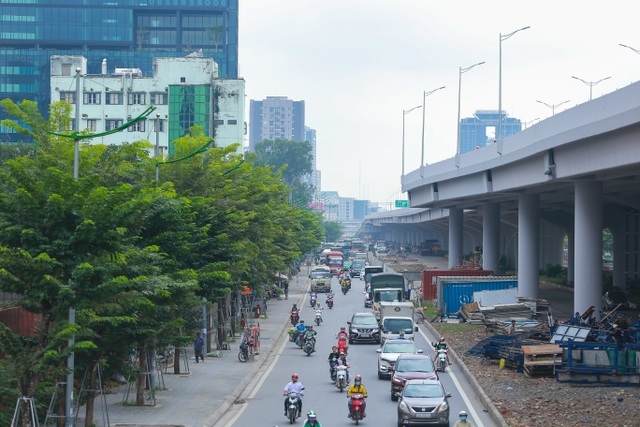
column 198, row 347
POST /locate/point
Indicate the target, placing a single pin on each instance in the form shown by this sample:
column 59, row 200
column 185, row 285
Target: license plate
column 365, row 335
column 420, row 415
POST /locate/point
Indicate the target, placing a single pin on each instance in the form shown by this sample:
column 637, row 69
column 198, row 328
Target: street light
column 553, row 107
column 157, row 149
column 629, row 47
column 502, row 38
column 404, row 113
column 531, row 122
column 590, row 84
column 462, row 70
column 424, row 97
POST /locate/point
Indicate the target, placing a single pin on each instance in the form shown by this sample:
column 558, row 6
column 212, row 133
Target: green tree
column 333, row 231
column 293, row 159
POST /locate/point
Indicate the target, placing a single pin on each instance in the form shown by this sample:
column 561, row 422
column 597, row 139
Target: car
column 363, row 327
column 357, row 269
column 389, row 352
column 615, row 298
column 411, row 367
column 424, row 402
column 368, row 301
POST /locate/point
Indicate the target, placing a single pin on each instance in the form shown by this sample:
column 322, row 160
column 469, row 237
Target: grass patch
column 429, row 310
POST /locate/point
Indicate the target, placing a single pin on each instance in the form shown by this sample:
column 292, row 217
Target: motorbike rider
column 405, row 421
column 312, row 299
column 329, row 298
column 300, row 329
column 357, row 387
column 312, row 420
column 293, row 386
column 317, row 310
column 343, row 336
column 463, row 420
column 309, row 334
column 343, row 361
column 333, row 355
column 294, row 312
column 442, row 345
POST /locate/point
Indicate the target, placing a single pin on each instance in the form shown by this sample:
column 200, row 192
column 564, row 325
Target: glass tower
column 128, row 33
column 476, row 131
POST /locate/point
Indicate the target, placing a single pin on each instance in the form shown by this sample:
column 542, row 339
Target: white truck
column 397, row 317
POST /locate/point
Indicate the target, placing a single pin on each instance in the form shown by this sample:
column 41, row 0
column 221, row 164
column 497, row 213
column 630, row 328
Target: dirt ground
column 544, row 402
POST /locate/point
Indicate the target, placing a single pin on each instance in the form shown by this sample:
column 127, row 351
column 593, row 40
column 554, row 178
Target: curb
column 245, row 382
column 491, row 408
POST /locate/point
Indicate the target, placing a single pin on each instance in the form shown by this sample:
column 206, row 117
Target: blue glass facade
column 474, row 132
column 128, row 33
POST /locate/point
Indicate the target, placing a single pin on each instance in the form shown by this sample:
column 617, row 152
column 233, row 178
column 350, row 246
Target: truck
column 396, row 317
column 385, row 280
column 320, row 278
column 385, row 295
column 369, row 270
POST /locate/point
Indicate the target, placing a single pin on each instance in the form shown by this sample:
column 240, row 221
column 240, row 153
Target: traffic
column 339, row 372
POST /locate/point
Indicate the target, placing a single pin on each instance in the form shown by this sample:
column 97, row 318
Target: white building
column 185, row 91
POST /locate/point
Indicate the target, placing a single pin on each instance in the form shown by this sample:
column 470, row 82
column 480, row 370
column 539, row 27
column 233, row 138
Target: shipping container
column 429, row 284
column 456, row 291
column 20, row 321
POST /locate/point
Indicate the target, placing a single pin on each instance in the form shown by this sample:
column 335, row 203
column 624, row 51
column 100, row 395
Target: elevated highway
column 571, row 175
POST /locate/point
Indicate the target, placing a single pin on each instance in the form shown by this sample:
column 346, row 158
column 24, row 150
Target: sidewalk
column 200, row 397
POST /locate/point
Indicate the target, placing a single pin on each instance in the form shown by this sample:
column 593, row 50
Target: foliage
column 290, row 158
column 333, row 231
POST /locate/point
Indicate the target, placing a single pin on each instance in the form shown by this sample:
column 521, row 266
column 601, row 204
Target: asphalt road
column 262, row 403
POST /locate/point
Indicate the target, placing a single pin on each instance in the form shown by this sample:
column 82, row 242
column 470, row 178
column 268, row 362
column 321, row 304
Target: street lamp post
column 553, row 106
column 156, row 152
column 629, row 47
column 404, row 113
column 531, row 122
column 424, row 97
column 591, row 84
column 461, row 71
column 502, row 38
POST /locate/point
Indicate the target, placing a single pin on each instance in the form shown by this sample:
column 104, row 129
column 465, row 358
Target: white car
column 389, row 352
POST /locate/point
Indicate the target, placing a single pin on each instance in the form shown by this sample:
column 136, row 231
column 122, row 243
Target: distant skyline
column 358, row 65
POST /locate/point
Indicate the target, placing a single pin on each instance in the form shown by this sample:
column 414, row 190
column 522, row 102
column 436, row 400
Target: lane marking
column 458, row 386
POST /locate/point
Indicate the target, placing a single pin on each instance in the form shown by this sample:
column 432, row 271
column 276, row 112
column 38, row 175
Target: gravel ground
column 543, row 402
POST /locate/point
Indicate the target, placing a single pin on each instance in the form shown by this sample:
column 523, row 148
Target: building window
column 136, row 98
column 137, row 127
column 114, row 98
column 218, row 122
column 159, row 98
column 113, row 124
column 92, row 98
column 70, row 97
column 92, row 124
column 232, row 122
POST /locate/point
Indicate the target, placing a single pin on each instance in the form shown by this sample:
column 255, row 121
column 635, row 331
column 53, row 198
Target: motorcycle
column 442, row 359
column 318, row 318
column 342, row 346
column 329, row 301
column 357, row 407
column 243, row 354
column 295, row 317
column 341, row 377
column 345, row 289
column 309, row 345
column 313, row 299
column 292, row 407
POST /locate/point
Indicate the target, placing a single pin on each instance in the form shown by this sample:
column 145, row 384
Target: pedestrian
column 198, row 347
column 286, row 290
column 511, row 329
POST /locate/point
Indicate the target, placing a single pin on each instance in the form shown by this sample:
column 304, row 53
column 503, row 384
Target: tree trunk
column 91, row 395
column 176, row 361
column 142, row 377
column 221, row 337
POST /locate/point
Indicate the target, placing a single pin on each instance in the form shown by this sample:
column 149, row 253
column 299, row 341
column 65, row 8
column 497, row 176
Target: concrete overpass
column 572, row 175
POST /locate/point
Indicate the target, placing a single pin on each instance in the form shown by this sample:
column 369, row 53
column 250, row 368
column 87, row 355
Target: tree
column 293, row 159
column 333, row 231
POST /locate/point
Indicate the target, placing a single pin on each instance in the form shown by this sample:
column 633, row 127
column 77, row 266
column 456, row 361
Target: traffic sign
column 402, row 203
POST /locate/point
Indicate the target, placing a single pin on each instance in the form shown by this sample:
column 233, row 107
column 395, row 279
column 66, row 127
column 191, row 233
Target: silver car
column 389, row 352
column 424, row 402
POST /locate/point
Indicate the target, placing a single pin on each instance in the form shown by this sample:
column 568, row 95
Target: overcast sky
column 358, row 64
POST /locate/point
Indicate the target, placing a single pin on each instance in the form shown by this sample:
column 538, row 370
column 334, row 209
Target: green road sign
column 402, row 203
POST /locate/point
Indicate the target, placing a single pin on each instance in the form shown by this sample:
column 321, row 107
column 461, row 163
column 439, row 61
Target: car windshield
column 393, row 347
column 395, row 326
column 414, row 365
column 423, row 390
column 320, row 275
column 364, row 320
column 357, row 264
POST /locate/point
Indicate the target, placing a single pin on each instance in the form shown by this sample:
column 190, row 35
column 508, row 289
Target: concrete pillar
column 455, row 237
column 528, row 244
column 617, row 225
column 571, row 260
column 588, row 246
column 490, row 236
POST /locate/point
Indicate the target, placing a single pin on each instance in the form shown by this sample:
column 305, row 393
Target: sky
column 358, row 64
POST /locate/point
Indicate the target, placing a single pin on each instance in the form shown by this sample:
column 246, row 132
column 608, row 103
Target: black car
column 363, row 327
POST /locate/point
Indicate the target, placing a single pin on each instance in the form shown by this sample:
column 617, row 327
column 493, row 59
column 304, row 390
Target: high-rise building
column 312, row 179
column 276, row 117
column 476, row 131
column 128, row 33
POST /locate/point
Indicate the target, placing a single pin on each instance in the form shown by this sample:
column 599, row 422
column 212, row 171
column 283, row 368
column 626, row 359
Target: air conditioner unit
column 85, row 115
column 129, row 89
